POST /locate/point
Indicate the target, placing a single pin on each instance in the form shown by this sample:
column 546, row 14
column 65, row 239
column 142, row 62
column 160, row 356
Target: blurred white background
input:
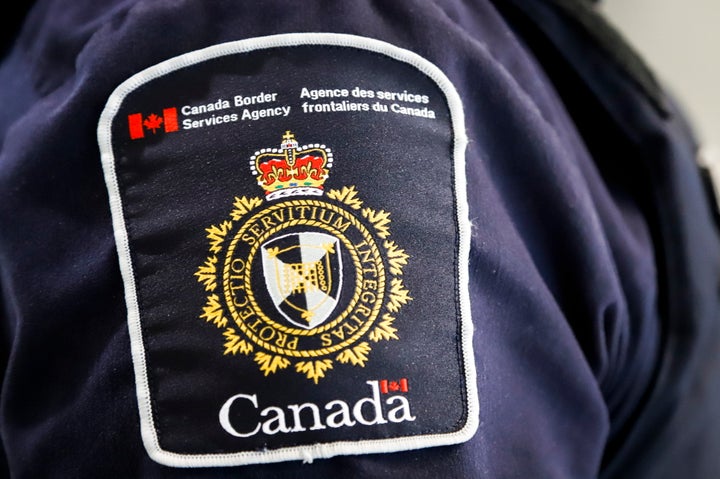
column 680, row 40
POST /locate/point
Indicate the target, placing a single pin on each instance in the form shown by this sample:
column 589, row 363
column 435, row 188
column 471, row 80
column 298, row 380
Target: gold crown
column 291, row 170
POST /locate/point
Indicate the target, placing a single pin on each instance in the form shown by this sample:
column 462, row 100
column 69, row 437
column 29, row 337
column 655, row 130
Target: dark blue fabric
column 594, row 262
column 653, row 156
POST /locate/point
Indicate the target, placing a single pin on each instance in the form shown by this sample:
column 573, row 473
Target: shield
column 303, row 275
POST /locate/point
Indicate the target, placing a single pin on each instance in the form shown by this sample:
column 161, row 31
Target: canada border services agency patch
column 291, row 223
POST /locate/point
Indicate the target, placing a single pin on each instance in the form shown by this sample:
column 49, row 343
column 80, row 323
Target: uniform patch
column 292, row 231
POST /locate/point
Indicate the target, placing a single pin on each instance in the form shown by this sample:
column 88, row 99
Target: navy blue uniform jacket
column 593, row 262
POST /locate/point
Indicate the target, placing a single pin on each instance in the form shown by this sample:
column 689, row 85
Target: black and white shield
column 303, row 274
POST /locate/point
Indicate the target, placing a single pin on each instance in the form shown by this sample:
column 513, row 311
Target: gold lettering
column 281, row 340
column 237, row 265
column 368, row 297
column 238, row 291
column 345, row 329
column 349, row 328
column 365, row 255
column 302, row 209
column 341, row 225
column 279, row 215
column 292, row 344
column 255, row 229
column 249, row 239
column 255, row 325
column 369, row 284
column 267, row 222
column 267, row 333
column 372, row 270
column 364, row 310
column 324, row 216
column 246, row 313
column 357, row 320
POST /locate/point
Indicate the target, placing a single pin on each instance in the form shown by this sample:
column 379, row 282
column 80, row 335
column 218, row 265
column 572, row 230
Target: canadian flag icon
column 387, row 386
column 137, row 124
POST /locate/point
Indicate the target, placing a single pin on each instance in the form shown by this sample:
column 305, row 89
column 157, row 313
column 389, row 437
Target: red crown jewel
column 291, row 170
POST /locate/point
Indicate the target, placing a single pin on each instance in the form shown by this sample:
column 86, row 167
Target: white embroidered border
column 306, row 452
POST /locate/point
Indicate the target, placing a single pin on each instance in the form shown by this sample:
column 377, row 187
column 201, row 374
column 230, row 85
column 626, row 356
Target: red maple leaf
column 153, row 122
column 394, row 386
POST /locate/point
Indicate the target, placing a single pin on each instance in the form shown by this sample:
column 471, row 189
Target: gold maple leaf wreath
column 208, row 274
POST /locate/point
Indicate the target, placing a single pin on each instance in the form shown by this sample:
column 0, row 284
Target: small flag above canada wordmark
column 137, row 124
column 394, row 386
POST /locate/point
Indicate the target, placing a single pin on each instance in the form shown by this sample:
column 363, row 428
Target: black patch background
column 174, row 185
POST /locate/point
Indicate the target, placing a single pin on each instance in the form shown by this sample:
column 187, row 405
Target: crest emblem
column 303, row 274
column 302, row 277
